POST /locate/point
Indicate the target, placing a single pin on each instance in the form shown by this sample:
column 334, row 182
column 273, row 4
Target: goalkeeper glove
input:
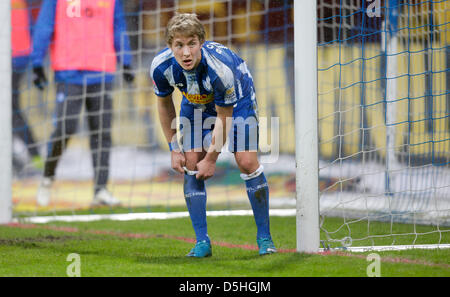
column 39, row 77
column 128, row 74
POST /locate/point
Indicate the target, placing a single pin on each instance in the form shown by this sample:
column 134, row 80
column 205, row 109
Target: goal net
column 384, row 119
column 383, row 115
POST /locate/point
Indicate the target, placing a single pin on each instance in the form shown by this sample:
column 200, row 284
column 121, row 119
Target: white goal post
column 5, row 114
column 350, row 64
column 306, row 134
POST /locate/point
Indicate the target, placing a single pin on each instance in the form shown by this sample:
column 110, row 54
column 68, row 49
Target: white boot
column 44, row 191
column 104, row 197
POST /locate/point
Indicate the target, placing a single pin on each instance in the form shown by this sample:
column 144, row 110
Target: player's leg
column 19, row 122
column 195, row 197
column 194, row 189
column 68, row 107
column 99, row 116
column 245, row 152
column 258, row 194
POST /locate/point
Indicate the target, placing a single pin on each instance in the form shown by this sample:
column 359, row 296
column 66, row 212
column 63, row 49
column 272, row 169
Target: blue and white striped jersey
column 222, row 78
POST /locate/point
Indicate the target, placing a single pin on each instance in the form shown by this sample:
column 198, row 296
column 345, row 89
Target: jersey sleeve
column 223, row 85
column 161, row 86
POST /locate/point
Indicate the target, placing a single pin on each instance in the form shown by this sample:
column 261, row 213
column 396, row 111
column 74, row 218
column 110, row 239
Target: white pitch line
column 144, row 216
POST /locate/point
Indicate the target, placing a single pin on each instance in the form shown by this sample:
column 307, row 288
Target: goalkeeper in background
column 218, row 100
column 85, row 38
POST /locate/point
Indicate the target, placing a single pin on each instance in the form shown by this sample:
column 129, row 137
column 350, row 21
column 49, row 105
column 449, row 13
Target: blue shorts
column 196, row 128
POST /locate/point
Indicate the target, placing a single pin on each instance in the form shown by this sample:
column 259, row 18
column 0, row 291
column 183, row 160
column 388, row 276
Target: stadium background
column 352, row 119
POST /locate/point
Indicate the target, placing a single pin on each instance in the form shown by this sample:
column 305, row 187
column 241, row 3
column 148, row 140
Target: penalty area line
column 144, row 216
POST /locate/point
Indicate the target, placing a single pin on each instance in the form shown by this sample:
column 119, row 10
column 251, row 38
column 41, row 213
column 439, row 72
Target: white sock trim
column 190, row 172
column 254, row 174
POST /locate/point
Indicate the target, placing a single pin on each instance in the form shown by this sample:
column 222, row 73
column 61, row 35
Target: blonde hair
column 185, row 24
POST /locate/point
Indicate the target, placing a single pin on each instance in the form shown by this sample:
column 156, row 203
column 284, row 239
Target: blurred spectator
column 21, row 49
column 87, row 40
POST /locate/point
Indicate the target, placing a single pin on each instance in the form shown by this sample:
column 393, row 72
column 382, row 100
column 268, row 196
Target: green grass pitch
column 156, row 248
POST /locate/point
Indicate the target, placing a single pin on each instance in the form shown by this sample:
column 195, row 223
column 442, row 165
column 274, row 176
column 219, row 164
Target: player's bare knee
column 247, row 165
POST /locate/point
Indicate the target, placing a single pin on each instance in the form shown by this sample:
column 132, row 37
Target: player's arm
column 42, row 34
column 167, row 116
column 207, row 166
column 43, row 31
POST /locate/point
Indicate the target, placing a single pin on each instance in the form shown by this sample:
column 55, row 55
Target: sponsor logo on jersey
column 199, row 98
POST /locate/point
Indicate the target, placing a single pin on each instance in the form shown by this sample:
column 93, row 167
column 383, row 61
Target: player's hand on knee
column 206, row 169
column 178, row 161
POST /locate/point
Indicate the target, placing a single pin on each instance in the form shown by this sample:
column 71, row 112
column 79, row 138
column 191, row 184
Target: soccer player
column 86, row 37
column 218, row 100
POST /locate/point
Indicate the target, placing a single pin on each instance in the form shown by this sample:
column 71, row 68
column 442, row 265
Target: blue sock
column 258, row 194
column 195, row 197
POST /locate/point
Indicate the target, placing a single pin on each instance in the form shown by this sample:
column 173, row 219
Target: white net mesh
column 383, row 116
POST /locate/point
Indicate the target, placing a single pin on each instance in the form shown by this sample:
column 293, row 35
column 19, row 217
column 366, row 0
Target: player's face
column 187, row 51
